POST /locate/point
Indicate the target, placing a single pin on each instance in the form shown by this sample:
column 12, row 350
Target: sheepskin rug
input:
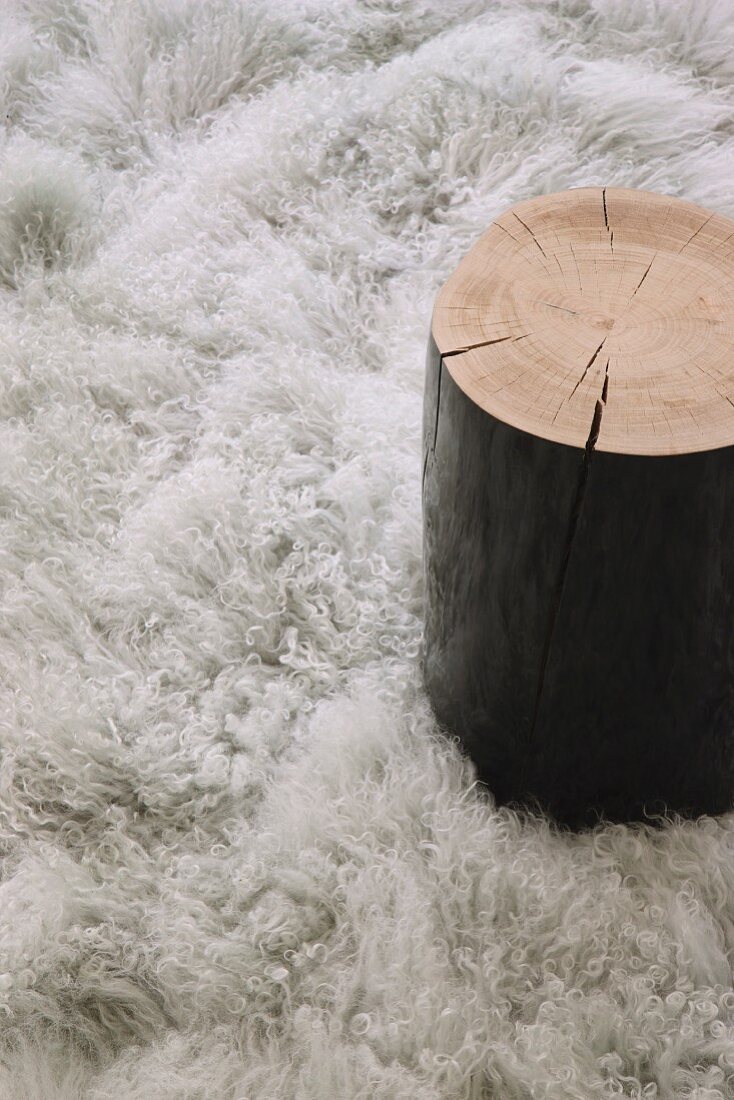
column 239, row 858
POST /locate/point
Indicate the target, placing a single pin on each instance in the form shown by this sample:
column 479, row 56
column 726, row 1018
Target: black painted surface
column 638, row 701
column 493, row 545
column 636, row 711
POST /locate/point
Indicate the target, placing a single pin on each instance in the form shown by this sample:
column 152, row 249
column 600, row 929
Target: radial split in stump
column 578, row 500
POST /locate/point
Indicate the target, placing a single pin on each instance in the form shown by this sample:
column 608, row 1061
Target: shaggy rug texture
column 239, row 858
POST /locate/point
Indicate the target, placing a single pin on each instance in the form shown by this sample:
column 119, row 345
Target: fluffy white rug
column 238, row 858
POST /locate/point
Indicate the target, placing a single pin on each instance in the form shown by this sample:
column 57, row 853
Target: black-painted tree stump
column 578, row 503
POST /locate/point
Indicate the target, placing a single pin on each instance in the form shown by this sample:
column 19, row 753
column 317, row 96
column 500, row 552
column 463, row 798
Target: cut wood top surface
column 608, row 295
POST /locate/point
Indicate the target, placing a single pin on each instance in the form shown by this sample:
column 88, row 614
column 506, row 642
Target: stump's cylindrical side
column 578, row 615
column 637, row 708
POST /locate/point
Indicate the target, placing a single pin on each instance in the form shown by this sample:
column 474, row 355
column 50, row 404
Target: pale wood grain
column 594, row 294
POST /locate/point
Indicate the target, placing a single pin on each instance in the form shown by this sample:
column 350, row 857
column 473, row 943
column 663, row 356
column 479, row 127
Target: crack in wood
column 481, row 344
column 593, row 359
column 563, row 572
column 578, row 269
column 721, row 244
column 564, row 308
column 526, row 226
column 438, row 403
column 506, row 230
column 701, row 226
column 610, row 231
column 535, row 240
column 580, row 380
column 431, row 449
column 647, row 272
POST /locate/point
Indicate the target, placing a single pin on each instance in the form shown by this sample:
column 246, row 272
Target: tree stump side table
column 578, row 507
